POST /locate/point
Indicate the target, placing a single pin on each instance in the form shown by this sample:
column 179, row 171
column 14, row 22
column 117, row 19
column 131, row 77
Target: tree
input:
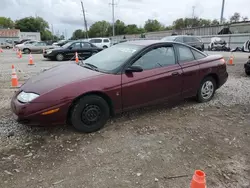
column 235, row 17
column 6, row 23
column 132, row 29
column 244, row 18
column 215, row 22
column 99, row 29
column 153, row 25
column 78, row 34
column 120, row 27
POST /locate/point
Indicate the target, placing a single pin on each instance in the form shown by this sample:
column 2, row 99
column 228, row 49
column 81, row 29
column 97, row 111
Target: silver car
column 6, row 45
column 37, row 47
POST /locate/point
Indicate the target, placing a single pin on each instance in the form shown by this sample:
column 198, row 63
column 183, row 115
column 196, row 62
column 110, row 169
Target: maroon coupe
column 126, row 76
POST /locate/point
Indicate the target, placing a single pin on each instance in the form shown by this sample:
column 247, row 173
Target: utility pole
column 113, row 16
column 193, row 8
column 222, row 11
column 85, row 22
column 52, row 30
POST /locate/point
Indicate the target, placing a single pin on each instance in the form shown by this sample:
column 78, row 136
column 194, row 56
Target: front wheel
column 59, row 57
column 26, row 51
column 206, row 90
column 90, row 114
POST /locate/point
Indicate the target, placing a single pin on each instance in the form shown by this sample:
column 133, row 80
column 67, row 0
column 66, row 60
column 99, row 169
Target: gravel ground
column 145, row 148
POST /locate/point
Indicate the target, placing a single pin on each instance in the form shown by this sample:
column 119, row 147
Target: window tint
column 185, row 53
column 198, row 55
column 106, row 40
column 188, row 39
column 155, row 58
column 86, row 45
column 76, row 45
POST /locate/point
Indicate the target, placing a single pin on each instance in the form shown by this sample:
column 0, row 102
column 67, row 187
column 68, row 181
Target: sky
column 66, row 15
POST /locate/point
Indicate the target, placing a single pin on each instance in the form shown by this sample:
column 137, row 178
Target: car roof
column 145, row 42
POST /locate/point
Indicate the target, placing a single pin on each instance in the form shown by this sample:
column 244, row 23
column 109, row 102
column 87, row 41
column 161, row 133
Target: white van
column 101, row 42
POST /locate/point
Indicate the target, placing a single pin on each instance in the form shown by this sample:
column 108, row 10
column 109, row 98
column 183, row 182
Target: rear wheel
column 26, row 51
column 90, row 114
column 59, row 57
column 7, row 47
column 93, row 53
column 104, row 47
column 206, row 90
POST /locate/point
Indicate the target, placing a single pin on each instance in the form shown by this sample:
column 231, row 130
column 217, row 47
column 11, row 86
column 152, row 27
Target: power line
column 222, row 11
column 85, row 22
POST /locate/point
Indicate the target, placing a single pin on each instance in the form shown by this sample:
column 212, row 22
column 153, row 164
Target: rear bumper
column 223, row 79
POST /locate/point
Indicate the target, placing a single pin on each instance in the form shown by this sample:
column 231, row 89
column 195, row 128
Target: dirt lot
column 148, row 148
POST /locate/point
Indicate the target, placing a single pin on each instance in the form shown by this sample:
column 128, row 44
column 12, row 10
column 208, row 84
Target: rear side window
column 106, row 40
column 196, row 39
column 184, row 54
column 198, row 55
column 96, row 41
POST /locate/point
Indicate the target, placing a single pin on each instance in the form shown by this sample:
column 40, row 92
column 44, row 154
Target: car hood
column 57, row 77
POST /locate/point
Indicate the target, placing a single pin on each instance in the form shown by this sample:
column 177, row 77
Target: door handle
column 175, row 74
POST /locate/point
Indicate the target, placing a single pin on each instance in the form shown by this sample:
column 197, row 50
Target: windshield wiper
column 90, row 66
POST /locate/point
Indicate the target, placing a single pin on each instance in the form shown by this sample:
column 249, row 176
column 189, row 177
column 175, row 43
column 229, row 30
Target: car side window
column 86, row 45
column 106, row 40
column 198, row 55
column 76, row 45
column 98, row 40
column 188, row 39
column 184, row 54
column 179, row 39
column 155, row 58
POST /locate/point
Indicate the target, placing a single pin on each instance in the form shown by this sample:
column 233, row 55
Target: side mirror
column 133, row 69
column 70, row 48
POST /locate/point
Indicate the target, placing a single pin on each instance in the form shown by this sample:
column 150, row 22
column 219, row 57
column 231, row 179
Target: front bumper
column 31, row 113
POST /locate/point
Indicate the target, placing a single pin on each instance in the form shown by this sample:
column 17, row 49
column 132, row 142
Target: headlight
column 49, row 51
column 26, row 97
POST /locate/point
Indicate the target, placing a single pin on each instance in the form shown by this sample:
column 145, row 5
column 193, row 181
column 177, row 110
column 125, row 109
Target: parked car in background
column 61, row 42
column 101, row 42
column 6, row 45
column 218, row 44
column 37, row 47
column 123, row 77
column 193, row 41
column 30, row 42
column 21, row 42
column 84, row 50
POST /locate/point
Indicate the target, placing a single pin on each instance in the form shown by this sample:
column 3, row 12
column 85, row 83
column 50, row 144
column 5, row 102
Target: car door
column 72, row 49
column 86, row 50
column 190, row 68
column 160, row 80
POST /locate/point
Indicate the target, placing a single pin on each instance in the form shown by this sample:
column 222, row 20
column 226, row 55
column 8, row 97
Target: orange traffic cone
column 1, row 50
column 77, row 59
column 198, row 180
column 231, row 60
column 31, row 60
column 14, row 80
column 19, row 54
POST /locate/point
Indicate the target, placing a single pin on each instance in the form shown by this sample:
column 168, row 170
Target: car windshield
column 111, row 58
column 169, row 38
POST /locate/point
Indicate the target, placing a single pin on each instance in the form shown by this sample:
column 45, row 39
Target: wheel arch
column 98, row 93
column 215, row 77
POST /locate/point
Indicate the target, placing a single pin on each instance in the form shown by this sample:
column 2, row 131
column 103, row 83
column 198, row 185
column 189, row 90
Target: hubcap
column 207, row 90
column 91, row 114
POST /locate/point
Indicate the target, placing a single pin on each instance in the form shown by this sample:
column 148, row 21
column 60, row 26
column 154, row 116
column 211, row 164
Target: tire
column 60, row 57
column 7, row 47
column 247, row 72
column 104, row 47
column 26, row 51
column 86, row 107
column 210, row 88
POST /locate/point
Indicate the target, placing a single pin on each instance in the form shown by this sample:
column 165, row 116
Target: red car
column 126, row 76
